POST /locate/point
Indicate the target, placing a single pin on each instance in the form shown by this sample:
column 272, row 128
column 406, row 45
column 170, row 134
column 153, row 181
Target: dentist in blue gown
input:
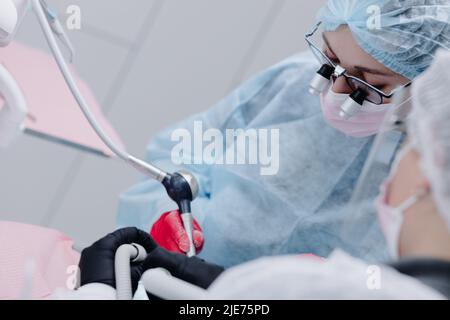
column 245, row 215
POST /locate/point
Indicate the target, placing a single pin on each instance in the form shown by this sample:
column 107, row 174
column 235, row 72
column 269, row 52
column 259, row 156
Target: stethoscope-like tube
column 126, row 254
column 144, row 167
column 179, row 192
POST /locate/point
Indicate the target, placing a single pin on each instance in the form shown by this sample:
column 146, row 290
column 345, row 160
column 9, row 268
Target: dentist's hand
column 193, row 270
column 169, row 233
column 97, row 261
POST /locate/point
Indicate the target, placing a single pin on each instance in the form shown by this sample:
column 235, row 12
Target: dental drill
column 182, row 187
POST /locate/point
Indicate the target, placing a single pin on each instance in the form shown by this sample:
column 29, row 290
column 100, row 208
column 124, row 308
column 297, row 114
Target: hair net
column 430, row 130
column 401, row 34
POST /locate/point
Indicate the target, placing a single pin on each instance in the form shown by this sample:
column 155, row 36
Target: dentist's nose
column 340, row 85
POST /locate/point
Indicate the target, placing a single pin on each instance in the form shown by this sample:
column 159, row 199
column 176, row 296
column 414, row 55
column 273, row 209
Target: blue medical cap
column 401, row 34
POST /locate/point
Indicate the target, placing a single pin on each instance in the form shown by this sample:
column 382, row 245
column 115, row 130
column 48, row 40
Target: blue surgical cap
column 401, row 34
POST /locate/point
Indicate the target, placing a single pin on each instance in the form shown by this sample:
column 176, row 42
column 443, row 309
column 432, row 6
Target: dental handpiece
column 182, row 187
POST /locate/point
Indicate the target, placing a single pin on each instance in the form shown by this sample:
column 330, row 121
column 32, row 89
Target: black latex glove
column 97, row 261
column 193, row 270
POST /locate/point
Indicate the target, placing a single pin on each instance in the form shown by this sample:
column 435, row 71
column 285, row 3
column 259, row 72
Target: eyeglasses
column 374, row 95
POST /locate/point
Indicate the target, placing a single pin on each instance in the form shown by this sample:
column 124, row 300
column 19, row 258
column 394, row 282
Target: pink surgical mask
column 390, row 218
column 364, row 124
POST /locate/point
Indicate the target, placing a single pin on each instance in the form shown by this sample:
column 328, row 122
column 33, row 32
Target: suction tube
column 126, row 254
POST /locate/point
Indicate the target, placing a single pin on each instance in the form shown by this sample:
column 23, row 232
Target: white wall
column 150, row 63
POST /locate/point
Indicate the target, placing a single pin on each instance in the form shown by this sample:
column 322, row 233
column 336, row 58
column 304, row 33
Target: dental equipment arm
column 58, row 30
column 8, row 18
column 181, row 187
column 142, row 166
column 14, row 111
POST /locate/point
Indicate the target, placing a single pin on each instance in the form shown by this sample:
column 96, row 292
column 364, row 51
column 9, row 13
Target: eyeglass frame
column 343, row 72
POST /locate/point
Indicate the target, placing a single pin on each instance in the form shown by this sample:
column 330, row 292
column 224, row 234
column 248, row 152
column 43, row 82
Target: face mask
column 364, row 124
column 391, row 219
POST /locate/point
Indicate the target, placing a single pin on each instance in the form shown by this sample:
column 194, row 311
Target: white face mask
column 391, row 219
column 365, row 123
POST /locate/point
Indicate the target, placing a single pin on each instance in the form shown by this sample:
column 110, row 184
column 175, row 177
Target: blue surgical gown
column 245, row 215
